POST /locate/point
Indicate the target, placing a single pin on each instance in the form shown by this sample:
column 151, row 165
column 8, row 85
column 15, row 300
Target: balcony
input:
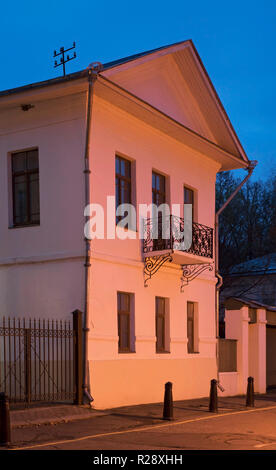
column 166, row 240
column 166, row 234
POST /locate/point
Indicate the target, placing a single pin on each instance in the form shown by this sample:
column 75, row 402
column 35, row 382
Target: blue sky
column 236, row 41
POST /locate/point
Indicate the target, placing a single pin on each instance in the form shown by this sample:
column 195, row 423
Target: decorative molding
column 145, row 339
column 104, row 338
column 49, row 258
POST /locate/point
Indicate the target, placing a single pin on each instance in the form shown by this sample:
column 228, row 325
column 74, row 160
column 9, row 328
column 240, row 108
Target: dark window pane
column 32, row 160
column 125, row 303
column 123, row 183
column 124, row 321
column 160, row 305
column 19, row 162
column 160, row 333
column 25, row 177
column 190, row 326
column 20, row 199
column 158, row 189
column 34, row 195
column 124, row 331
column 188, row 196
column 118, row 165
column 160, row 323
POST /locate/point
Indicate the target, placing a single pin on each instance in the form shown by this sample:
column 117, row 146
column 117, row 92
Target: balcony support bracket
column 191, row 271
column 153, row 264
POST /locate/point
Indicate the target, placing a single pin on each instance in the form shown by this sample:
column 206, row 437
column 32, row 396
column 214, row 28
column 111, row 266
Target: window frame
column 127, row 179
column 130, row 346
column 165, row 330
column 195, row 343
column 27, row 173
column 193, row 192
column 158, row 192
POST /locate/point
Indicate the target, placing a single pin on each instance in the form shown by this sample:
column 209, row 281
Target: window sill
column 23, row 226
column 162, row 352
column 126, row 352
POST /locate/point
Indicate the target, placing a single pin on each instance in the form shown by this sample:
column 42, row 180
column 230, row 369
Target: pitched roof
column 82, row 73
column 213, row 123
column 262, row 265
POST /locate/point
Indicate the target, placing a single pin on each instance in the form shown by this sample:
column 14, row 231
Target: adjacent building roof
column 258, row 266
column 250, row 303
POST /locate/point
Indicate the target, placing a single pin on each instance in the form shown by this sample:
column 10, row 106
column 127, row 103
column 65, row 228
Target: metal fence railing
column 37, row 360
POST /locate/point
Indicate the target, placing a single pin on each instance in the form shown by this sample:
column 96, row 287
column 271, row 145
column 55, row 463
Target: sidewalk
column 35, row 416
column 43, row 415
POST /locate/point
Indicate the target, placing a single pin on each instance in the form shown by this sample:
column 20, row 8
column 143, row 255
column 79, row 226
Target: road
column 231, row 429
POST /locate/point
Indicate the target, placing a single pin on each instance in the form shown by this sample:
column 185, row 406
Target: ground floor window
column 192, row 327
column 162, row 324
column 125, row 306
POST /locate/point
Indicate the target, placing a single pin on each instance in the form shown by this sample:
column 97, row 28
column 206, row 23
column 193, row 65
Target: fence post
column 78, row 345
column 5, row 424
column 27, row 361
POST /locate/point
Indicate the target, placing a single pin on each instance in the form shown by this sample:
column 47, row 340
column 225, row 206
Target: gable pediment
column 175, row 82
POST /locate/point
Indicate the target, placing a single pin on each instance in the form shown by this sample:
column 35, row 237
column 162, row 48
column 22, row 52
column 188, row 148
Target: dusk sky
column 236, row 41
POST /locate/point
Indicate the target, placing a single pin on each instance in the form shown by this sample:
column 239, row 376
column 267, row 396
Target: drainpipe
column 93, row 70
column 250, row 168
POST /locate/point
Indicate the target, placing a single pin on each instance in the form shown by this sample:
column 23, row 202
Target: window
column 158, row 189
column 125, row 307
column 158, row 198
column 161, row 321
column 25, row 188
column 191, row 327
column 189, row 198
column 123, row 183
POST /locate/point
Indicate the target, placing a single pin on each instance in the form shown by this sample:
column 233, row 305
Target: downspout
column 93, row 70
column 250, row 168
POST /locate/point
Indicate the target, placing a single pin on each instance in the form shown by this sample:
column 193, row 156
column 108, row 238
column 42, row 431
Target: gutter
column 93, row 70
column 250, row 168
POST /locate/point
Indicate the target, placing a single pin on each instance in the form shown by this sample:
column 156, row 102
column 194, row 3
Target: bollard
column 5, row 425
column 213, row 403
column 168, row 402
column 250, row 392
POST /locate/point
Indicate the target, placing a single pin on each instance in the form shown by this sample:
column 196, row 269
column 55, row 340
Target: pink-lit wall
column 41, row 268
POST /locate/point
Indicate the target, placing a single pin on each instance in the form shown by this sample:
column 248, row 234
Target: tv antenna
column 63, row 60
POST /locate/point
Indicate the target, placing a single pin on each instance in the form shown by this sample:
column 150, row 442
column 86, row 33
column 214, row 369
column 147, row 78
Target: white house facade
column 149, row 128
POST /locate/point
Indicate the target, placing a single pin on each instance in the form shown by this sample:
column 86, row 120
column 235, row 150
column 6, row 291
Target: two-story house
column 147, row 128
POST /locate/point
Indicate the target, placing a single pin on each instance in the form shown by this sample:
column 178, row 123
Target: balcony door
column 158, row 198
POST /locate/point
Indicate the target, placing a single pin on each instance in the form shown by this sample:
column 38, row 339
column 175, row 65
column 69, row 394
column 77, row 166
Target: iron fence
column 37, row 360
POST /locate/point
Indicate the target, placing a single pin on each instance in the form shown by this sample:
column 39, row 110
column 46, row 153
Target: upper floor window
column 25, row 188
column 158, row 188
column 123, row 183
column 189, row 198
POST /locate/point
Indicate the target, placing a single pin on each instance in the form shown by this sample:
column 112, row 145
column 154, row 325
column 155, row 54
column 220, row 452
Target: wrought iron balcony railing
column 167, row 233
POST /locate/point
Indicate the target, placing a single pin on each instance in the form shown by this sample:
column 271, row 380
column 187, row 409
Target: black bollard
column 5, row 425
column 168, row 402
column 213, row 403
column 250, row 392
